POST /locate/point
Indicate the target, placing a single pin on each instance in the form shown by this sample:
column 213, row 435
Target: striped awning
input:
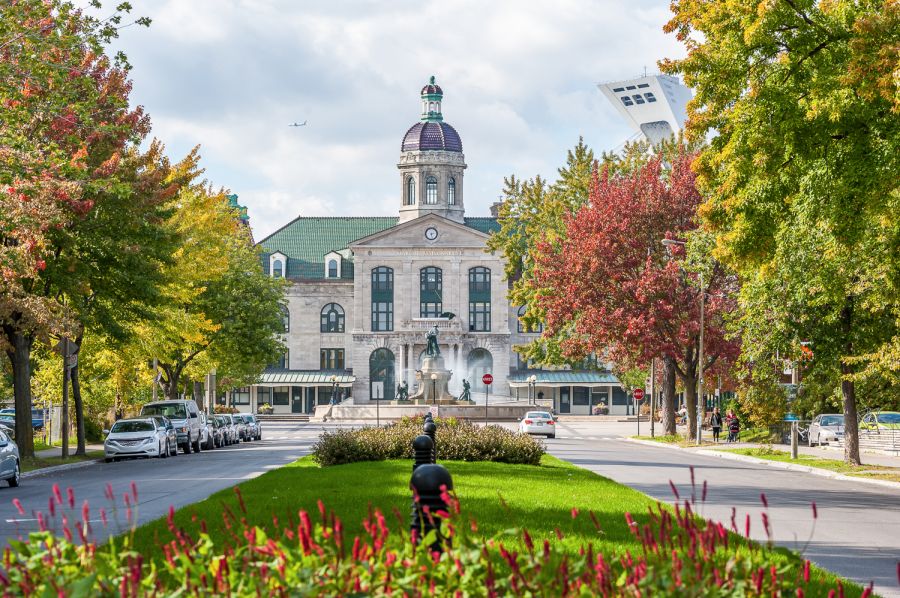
column 559, row 378
column 306, row 378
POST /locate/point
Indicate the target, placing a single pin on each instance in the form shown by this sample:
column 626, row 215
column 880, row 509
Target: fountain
column 434, row 378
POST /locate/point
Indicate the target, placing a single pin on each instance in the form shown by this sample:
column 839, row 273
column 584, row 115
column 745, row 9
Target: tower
column 654, row 105
column 431, row 163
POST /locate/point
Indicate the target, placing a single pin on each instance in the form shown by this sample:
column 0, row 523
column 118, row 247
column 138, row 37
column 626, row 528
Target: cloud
column 519, row 81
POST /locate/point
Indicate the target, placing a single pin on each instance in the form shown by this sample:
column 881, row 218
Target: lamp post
column 434, row 378
column 669, row 243
column 334, row 386
column 532, row 379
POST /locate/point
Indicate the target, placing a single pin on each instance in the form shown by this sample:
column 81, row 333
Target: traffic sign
column 638, row 394
column 791, row 417
column 487, row 378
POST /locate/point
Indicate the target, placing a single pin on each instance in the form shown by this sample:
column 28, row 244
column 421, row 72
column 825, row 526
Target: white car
column 138, row 437
column 825, row 428
column 538, row 422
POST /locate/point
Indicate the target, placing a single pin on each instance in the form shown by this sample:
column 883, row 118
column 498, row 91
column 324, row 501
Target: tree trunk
column 198, row 394
column 690, row 402
column 76, row 398
column 20, row 359
column 173, row 381
column 667, row 397
column 848, row 390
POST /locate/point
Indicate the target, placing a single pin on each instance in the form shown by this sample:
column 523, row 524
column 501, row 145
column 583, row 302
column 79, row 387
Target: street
column 856, row 533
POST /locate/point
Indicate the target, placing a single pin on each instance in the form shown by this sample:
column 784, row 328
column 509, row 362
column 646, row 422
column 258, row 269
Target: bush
column 681, row 555
column 224, row 409
column 456, row 441
column 264, row 409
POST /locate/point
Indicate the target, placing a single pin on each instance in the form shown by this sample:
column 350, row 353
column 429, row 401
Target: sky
column 519, row 81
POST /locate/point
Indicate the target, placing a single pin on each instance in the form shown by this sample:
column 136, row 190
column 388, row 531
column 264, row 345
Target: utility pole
column 700, row 366
column 65, row 398
column 652, row 396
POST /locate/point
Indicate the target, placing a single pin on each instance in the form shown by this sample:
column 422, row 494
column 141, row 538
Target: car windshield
column 832, row 420
column 170, row 410
column 538, row 415
column 132, row 426
column 247, row 419
column 889, row 418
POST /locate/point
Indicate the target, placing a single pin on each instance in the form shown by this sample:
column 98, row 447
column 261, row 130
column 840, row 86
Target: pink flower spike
column 109, row 492
column 762, row 497
column 57, row 494
column 816, row 512
column 134, row 492
column 70, row 494
column 674, row 490
column 574, row 513
column 18, row 504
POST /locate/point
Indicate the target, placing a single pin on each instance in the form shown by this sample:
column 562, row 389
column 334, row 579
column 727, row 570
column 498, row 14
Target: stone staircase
column 297, row 418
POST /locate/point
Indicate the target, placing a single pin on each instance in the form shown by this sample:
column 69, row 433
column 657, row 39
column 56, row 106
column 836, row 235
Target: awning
column 560, row 378
column 307, row 378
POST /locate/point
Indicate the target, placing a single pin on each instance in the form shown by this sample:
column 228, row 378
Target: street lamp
column 669, row 243
column 434, row 378
column 531, row 381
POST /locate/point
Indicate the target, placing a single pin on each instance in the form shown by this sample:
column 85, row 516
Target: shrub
column 681, row 554
column 456, row 441
column 264, row 409
column 224, row 409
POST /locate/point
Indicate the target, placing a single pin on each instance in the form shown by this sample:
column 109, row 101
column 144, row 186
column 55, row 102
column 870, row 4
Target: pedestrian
column 734, row 427
column 715, row 423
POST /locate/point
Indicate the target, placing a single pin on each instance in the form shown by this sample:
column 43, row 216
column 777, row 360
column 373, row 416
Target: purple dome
column 432, row 89
column 431, row 136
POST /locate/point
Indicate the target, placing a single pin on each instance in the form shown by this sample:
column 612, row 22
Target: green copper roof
column 314, row 377
column 306, row 240
column 574, row 377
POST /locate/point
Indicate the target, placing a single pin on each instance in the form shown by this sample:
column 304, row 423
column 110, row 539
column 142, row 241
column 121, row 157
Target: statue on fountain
column 403, row 391
column 467, row 392
column 432, row 349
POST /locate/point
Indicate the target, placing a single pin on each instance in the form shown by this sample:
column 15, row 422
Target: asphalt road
column 176, row 481
column 857, row 533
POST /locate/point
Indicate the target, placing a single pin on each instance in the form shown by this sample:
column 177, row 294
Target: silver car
column 825, row 428
column 254, row 432
column 9, row 460
column 138, row 437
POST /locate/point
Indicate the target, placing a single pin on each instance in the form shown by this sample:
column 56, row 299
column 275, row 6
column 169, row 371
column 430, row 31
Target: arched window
column 332, row 318
column 431, row 289
column 478, row 363
column 332, row 268
column 410, row 191
column 479, row 299
column 431, row 190
column 451, row 191
column 539, row 327
column 277, row 269
column 382, row 299
column 286, row 318
column 381, row 375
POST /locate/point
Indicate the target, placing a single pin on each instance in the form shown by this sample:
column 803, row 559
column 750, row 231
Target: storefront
column 291, row 391
column 571, row 392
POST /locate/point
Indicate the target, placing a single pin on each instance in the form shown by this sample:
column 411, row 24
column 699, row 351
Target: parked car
column 9, row 460
column 207, row 439
column 228, row 431
column 538, row 422
column 880, row 420
column 8, row 429
column 825, row 428
column 239, row 426
column 185, row 416
column 37, row 416
column 172, row 438
column 217, row 430
column 137, row 437
column 253, row 428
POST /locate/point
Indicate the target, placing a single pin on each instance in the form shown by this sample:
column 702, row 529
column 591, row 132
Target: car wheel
column 187, row 447
column 14, row 480
column 551, row 435
column 108, row 460
column 197, row 444
column 164, row 452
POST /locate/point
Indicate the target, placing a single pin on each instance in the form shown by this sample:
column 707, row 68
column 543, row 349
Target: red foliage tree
column 629, row 299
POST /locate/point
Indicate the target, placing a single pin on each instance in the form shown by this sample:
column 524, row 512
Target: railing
column 454, row 325
column 879, row 440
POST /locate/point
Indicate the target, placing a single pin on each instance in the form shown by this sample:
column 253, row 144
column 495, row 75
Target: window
column 382, row 299
column 630, row 87
column 431, row 190
column 479, row 299
column 522, row 326
column 332, row 269
column 451, row 191
column 627, row 101
column 638, row 99
column 381, row 375
column 284, row 361
column 430, row 292
column 410, row 191
column 581, row 396
column 650, row 97
column 331, row 359
column 281, row 395
column 332, row 318
column 277, row 269
column 286, row 318
column 643, row 85
column 240, row 396
column 478, row 363
column 263, row 395
column 617, row 89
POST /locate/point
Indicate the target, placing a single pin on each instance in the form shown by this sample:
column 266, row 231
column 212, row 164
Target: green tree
column 802, row 174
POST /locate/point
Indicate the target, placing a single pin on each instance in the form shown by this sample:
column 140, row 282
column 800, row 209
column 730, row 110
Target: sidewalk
column 823, row 452
column 56, row 451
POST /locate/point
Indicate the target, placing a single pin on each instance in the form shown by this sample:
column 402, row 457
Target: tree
column 617, row 293
column 802, row 174
column 65, row 121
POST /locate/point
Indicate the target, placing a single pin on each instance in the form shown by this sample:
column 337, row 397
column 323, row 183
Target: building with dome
column 364, row 290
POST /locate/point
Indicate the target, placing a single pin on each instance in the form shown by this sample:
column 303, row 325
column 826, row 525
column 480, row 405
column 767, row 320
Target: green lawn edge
column 36, row 463
column 501, row 497
column 834, row 465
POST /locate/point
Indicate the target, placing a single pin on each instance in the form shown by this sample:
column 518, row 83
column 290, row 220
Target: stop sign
column 638, row 394
column 487, row 378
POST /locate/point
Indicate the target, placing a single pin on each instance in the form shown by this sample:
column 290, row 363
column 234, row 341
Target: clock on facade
column 431, row 233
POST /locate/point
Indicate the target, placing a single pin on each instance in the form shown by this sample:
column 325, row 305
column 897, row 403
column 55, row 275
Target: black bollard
column 430, row 429
column 423, row 448
column 426, row 483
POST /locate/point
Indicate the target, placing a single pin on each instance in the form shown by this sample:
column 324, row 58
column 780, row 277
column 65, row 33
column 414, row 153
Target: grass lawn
column 873, row 471
column 761, row 435
column 501, row 497
column 32, row 463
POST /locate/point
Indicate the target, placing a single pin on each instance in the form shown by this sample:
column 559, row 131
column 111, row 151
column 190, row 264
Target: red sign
column 638, row 394
column 487, row 378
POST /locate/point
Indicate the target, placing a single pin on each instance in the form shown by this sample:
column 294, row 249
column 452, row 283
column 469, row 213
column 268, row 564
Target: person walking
column 715, row 422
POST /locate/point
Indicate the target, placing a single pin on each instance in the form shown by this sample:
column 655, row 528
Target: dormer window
column 410, row 191
column 332, row 264
column 277, row 269
column 332, row 269
column 278, row 265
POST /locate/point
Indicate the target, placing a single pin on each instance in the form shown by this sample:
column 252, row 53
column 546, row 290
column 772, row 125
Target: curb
column 825, row 473
column 58, row 468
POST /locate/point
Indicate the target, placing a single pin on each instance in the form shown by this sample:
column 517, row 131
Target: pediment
column 413, row 234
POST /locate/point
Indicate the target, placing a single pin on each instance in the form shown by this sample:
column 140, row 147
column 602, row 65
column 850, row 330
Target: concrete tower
column 431, row 164
column 654, row 105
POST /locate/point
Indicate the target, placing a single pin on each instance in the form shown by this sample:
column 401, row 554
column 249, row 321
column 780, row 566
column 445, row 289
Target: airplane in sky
column 303, row 124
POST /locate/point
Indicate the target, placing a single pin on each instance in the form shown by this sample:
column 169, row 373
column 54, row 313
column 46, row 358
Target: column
column 401, row 365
